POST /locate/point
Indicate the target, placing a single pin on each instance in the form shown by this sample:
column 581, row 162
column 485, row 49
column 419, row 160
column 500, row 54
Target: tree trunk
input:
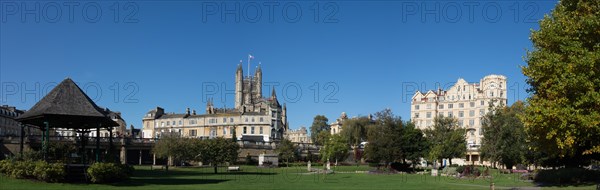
column 215, row 167
column 450, row 161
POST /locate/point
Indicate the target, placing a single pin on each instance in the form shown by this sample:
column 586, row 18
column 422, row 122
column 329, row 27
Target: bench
column 233, row 168
column 157, row 167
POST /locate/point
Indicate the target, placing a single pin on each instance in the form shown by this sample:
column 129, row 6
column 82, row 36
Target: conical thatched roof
column 67, row 106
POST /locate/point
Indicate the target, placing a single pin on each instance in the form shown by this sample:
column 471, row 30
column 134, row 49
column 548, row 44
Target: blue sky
column 363, row 56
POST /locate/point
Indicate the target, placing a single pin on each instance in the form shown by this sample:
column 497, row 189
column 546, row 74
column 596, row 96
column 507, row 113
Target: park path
column 497, row 187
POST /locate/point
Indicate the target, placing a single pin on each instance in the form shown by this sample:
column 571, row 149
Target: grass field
column 251, row 177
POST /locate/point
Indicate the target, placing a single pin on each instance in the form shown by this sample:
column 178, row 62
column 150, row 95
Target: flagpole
column 249, row 65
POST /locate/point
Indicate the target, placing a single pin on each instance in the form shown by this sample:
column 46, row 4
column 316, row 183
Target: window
column 450, row 106
column 224, row 120
column 481, row 131
column 193, row 132
column 441, row 106
column 461, row 105
column 472, row 104
column 471, row 122
column 224, row 130
column 261, row 130
column 472, row 132
column 416, row 107
column 428, row 106
column 481, row 112
column 472, row 113
column 460, row 123
column 252, row 130
column 180, row 122
column 232, row 129
column 173, row 123
column 450, row 114
column 441, row 114
column 162, row 124
column 231, row 120
column 428, row 123
column 428, row 114
column 246, row 119
column 261, row 119
column 253, row 119
column 461, row 114
column 244, row 130
column 482, row 102
column 416, row 115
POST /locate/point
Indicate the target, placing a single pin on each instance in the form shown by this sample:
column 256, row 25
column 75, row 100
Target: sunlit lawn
column 252, row 177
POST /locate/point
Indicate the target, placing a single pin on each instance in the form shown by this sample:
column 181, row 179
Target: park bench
column 233, row 168
column 157, row 167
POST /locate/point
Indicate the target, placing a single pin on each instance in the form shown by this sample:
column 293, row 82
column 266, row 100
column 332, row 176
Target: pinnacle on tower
column 273, row 95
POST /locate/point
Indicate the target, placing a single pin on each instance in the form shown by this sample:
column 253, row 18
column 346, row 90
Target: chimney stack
column 187, row 111
column 194, row 112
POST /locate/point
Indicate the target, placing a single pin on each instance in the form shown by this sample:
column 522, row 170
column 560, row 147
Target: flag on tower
column 250, row 56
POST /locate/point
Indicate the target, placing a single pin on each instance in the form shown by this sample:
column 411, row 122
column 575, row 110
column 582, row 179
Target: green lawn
column 279, row 178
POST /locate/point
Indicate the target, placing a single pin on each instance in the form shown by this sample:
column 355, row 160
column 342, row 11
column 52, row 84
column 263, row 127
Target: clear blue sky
column 374, row 53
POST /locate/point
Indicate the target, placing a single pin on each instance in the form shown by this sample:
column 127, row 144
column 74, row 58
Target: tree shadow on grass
column 183, row 177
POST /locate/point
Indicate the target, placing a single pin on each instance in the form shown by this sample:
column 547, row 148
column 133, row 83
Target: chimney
column 194, row 112
column 187, row 111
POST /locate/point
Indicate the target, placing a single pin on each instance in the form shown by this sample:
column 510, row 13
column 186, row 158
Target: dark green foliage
column 446, row 139
column 392, row 140
column 355, row 132
column 320, row 123
column 109, row 172
column 504, row 136
column 215, row 151
column 564, row 176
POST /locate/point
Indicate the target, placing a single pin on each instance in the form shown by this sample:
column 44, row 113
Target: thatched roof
column 67, row 106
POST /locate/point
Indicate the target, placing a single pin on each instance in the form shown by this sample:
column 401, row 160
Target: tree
column 383, row 138
column 446, row 139
column 320, row 123
column 217, row 151
column 503, row 135
column 414, row 145
column 563, row 70
column 335, row 148
column 286, row 150
column 172, row 147
column 322, row 137
column 355, row 132
column 391, row 140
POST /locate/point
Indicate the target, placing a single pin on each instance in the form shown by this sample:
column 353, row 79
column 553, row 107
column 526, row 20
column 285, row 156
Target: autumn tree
column 563, row 70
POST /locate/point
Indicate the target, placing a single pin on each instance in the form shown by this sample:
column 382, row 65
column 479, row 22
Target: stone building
column 298, row 135
column 467, row 102
column 9, row 126
column 253, row 118
column 336, row 127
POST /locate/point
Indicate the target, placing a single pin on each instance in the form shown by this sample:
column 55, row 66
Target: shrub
column 451, row 171
column 5, row 167
column 460, row 169
column 401, row 167
column 108, row 172
column 567, row 176
column 22, row 169
column 49, row 172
